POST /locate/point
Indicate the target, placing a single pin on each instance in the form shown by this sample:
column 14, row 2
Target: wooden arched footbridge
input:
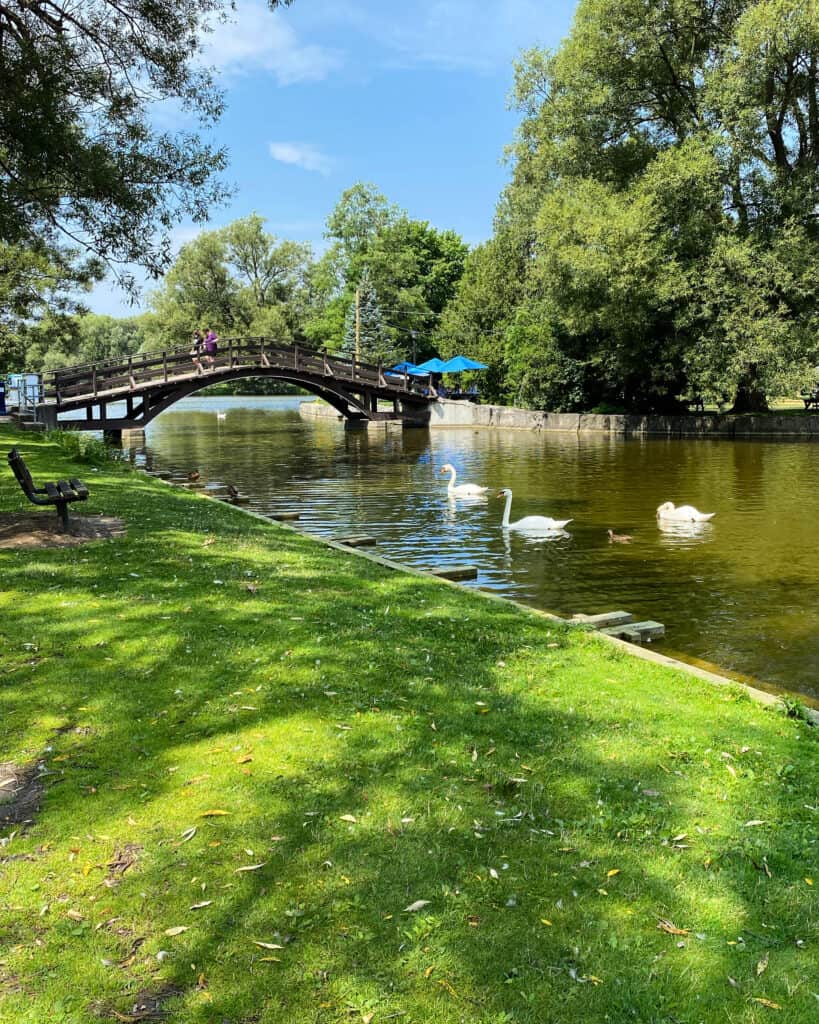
column 127, row 394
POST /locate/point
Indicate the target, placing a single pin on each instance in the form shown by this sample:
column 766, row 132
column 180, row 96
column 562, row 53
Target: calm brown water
column 740, row 593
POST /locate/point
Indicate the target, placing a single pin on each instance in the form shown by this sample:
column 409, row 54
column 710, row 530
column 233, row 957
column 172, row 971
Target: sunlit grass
column 375, row 740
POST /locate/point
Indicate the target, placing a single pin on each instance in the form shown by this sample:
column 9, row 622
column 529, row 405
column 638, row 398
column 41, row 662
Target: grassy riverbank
column 329, row 792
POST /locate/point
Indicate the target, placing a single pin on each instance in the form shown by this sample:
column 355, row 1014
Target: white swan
column 529, row 523
column 220, row 415
column 683, row 513
column 462, row 490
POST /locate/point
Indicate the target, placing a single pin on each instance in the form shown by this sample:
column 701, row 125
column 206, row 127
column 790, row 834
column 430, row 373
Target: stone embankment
column 725, row 425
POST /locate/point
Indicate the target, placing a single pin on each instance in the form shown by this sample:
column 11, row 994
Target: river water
column 739, row 594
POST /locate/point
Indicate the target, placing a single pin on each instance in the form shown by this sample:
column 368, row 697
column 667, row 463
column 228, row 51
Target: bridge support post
column 113, row 438
column 46, row 414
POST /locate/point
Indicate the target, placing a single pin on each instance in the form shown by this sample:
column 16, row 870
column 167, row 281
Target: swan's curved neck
column 452, row 475
column 505, row 520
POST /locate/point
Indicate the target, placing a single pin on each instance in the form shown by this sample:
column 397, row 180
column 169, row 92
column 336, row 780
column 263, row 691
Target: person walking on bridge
column 211, row 347
column 197, row 347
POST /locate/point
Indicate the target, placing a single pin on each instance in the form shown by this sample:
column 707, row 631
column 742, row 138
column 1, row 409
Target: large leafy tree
column 665, row 190
column 79, row 151
column 413, row 267
column 239, row 279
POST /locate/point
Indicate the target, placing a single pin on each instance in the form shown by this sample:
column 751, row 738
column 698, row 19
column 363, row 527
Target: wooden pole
column 358, row 323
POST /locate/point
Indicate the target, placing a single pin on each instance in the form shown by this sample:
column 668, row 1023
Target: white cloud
column 256, row 39
column 301, row 154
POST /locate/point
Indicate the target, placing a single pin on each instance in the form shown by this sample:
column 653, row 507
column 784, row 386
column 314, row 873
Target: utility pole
column 358, row 324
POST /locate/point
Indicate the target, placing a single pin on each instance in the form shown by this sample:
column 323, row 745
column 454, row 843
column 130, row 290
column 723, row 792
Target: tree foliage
column 365, row 335
column 661, row 225
column 239, row 280
column 413, row 267
column 80, row 154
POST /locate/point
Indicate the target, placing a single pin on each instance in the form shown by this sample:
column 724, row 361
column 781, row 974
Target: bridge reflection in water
column 80, row 397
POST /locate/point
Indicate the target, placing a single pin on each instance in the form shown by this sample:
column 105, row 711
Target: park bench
column 811, row 398
column 60, row 494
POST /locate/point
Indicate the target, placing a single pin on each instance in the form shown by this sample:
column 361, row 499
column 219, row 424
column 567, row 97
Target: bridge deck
column 159, row 378
column 76, row 385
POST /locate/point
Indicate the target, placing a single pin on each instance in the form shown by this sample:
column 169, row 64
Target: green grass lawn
column 359, row 796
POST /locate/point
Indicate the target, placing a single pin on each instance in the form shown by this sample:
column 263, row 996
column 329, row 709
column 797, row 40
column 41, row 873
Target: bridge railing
column 112, row 377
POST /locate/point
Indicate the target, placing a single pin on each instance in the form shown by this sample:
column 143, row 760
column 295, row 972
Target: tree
column 371, row 343
column 79, row 155
column 668, row 149
column 239, row 280
column 272, row 275
column 413, row 267
column 38, row 288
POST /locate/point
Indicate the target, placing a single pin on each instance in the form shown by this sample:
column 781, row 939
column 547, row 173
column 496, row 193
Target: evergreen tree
column 375, row 344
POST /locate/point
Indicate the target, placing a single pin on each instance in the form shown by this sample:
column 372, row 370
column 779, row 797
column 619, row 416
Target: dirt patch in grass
column 20, row 793
column 147, row 1005
column 27, row 530
column 124, row 858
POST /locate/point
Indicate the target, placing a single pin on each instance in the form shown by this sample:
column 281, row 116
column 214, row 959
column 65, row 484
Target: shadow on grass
column 377, row 740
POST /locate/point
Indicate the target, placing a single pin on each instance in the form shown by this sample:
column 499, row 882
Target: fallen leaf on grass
column 762, row 965
column 188, row 834
column 244, row 759
column 417, row 905
column 671, row 929
column 213, row 814
column 429, row 971
column 367, row 1017
column 75, row 915
column 199, row 906
column 250, row 867
column 266, row 945
column 754, row 821
column 766, row 1002
column 349, row 817
column 177, row 930
column 270, row 959
column 613, row 872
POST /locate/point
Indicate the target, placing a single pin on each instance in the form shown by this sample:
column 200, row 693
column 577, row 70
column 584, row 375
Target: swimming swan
column 683, row 514
column 530, row 523
column 462, row 490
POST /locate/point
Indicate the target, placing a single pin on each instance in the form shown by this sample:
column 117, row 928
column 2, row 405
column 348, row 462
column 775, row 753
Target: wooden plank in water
column 604, row 619
column 284, row 516
column 357, row 541
column 456, row 572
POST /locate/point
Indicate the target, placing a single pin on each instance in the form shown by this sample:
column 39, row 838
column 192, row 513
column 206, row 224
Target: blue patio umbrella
column 433, row 366
column 457, row 364
column 404, row 367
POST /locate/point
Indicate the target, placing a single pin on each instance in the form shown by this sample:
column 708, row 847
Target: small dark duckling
column 193, row 476
column 232, row 492
column 619, row 538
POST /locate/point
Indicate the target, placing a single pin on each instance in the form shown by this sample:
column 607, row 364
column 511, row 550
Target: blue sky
column 412, row 97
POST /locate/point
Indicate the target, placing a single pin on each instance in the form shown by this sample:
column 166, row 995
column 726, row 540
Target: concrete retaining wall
column 464, row 414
